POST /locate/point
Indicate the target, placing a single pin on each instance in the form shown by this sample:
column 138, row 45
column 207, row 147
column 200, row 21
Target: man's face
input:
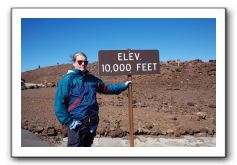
column 80, row 63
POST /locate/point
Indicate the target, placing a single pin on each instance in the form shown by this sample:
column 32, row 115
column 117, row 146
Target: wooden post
column 130, row 111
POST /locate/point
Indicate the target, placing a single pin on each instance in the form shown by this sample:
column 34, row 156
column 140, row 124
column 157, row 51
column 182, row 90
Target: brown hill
column 196, row 74
column 180, row 100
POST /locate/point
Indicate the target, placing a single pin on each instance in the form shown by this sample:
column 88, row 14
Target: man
column 75, row 101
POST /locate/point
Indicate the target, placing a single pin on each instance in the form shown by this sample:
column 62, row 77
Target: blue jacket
column 76, row 96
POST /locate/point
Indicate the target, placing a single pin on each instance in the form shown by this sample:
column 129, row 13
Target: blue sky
column 48, row 41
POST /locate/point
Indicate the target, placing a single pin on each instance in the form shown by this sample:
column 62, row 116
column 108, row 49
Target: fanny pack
column 91, row 120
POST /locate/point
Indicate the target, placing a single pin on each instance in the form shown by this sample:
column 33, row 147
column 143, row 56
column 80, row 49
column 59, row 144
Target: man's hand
column 128, row 82
column 74, row 125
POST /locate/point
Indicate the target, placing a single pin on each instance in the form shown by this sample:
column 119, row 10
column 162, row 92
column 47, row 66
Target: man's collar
column 77, row 71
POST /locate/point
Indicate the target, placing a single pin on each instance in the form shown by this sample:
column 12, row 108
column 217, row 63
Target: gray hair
column 74, row 56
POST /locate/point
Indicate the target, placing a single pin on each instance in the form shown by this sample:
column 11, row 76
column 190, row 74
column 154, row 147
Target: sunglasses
column 80, row 62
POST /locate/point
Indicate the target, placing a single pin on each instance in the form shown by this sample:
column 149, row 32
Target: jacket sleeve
column 61, row 102
column 101, row 87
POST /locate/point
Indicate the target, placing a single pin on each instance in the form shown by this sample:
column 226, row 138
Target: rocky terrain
column 180, row 101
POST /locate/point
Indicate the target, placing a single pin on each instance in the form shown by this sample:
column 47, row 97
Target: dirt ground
column 179, row 101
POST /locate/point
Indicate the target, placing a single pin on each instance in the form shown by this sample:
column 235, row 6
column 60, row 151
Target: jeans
column 80, row 137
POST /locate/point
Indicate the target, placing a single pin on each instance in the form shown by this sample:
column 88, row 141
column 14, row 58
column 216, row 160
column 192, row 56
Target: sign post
column 129, row 62
column 130, row 112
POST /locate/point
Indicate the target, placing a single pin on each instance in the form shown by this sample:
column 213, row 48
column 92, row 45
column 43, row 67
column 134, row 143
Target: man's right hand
column 74, row 125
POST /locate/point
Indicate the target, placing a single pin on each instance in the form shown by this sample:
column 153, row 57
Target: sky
column 51, row 41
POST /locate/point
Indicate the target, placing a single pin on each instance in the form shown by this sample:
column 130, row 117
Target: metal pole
column 130, row 111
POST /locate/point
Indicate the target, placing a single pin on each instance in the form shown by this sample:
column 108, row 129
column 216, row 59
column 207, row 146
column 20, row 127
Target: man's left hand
column 128, row 82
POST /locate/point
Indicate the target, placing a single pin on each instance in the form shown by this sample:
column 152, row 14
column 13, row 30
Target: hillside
column 180, row 100
column 196, row 74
